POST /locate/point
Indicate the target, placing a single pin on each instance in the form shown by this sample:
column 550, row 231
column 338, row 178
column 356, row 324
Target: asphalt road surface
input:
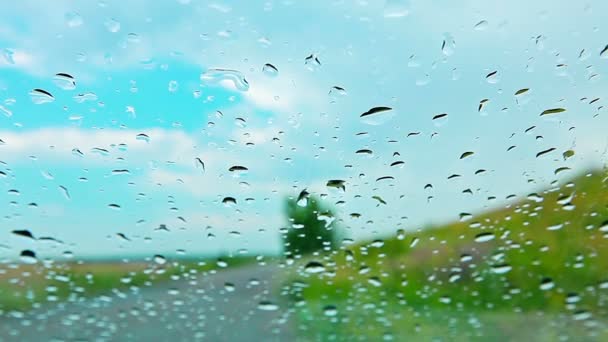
column 202, row 308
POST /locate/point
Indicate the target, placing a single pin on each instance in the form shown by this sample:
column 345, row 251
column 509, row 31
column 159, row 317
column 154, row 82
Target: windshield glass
column 303, row 170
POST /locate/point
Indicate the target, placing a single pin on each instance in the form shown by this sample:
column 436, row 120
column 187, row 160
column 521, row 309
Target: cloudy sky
column 111, row 144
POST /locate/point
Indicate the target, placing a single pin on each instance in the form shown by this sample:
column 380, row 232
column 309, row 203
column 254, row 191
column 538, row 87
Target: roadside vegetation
column 26, row 286
column 538, row 263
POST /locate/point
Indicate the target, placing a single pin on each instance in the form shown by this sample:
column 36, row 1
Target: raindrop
column 267, row 306
column 336, row 91
column 544, row 152
column 142, row 137
column 336, row 183
column 65, row 192
column 112, row 25
column 440, row 118
column 414, row 242
column 80, row 98
column 466, row 258
column 546, row 284
column 24, row 233
column 466, row 154
column 480, row 26
column 64, row 81
column 133, row 38
column 118, row 172
column 228, row 201
column 501, row 268
column 314, row 267
column 330, row 310
column 270, row 70
column 173, row 86
column 302, row 200
column 159, row 259
column 312, row 62
column 604, row 52
column 238, row 169
column 581, row 315
column 484, row 237
column 199, row 163
column 552, row 111
column 493, row 77
column 41, row 96
column 216, row 76
column 28, row 256
column 229, row 287
column 568, row 154
column 449, row 44
column 377, row 115
column 522, row 96
column 374, row 281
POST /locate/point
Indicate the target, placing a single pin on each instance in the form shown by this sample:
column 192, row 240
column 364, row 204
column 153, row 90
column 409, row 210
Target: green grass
column 23, row 287
column 431, row 277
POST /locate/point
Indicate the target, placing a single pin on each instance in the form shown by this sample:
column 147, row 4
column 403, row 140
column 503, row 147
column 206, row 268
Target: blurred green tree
column 311, row 226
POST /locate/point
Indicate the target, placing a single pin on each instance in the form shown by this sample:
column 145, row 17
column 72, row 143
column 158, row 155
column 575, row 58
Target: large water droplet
column 314, row 267
column 40, row 96
column 484, row 237
column 64, row 81
column 377, row 115
column 28, row 256
column 218, row 76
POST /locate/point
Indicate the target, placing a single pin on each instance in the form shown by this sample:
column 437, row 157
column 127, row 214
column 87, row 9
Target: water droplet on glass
column 481, row 26
column 314, row 267
column 159, row 259
column 604, row 52
column 229, row 201
column 546, row 284
column 270, row 70
column 330, row 310
column 81, row 98
column 501, row 268
column 312, row 62
column 552, row 111
column 484, row 237
column 65, row 192
column 449, row 45
column 64, row 81
column 112, row 25
column 142, row 137
column 41, row 96
column 24, row 233
column 267, row 306
column 28, row 256
column 173, row 86
column 219, row 76
column 377, row 115
column 336, row 183
column 493, row 77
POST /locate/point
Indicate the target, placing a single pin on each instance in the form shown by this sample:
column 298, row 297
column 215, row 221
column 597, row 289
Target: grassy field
column 24, row 286
column 536, row 265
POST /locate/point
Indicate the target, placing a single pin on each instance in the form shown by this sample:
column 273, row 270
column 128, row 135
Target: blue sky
column 144, row 60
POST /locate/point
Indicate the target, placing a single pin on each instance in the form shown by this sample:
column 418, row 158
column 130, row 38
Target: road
column 202, row 308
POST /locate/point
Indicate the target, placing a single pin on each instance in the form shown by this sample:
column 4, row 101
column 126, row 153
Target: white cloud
column 57, row 144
